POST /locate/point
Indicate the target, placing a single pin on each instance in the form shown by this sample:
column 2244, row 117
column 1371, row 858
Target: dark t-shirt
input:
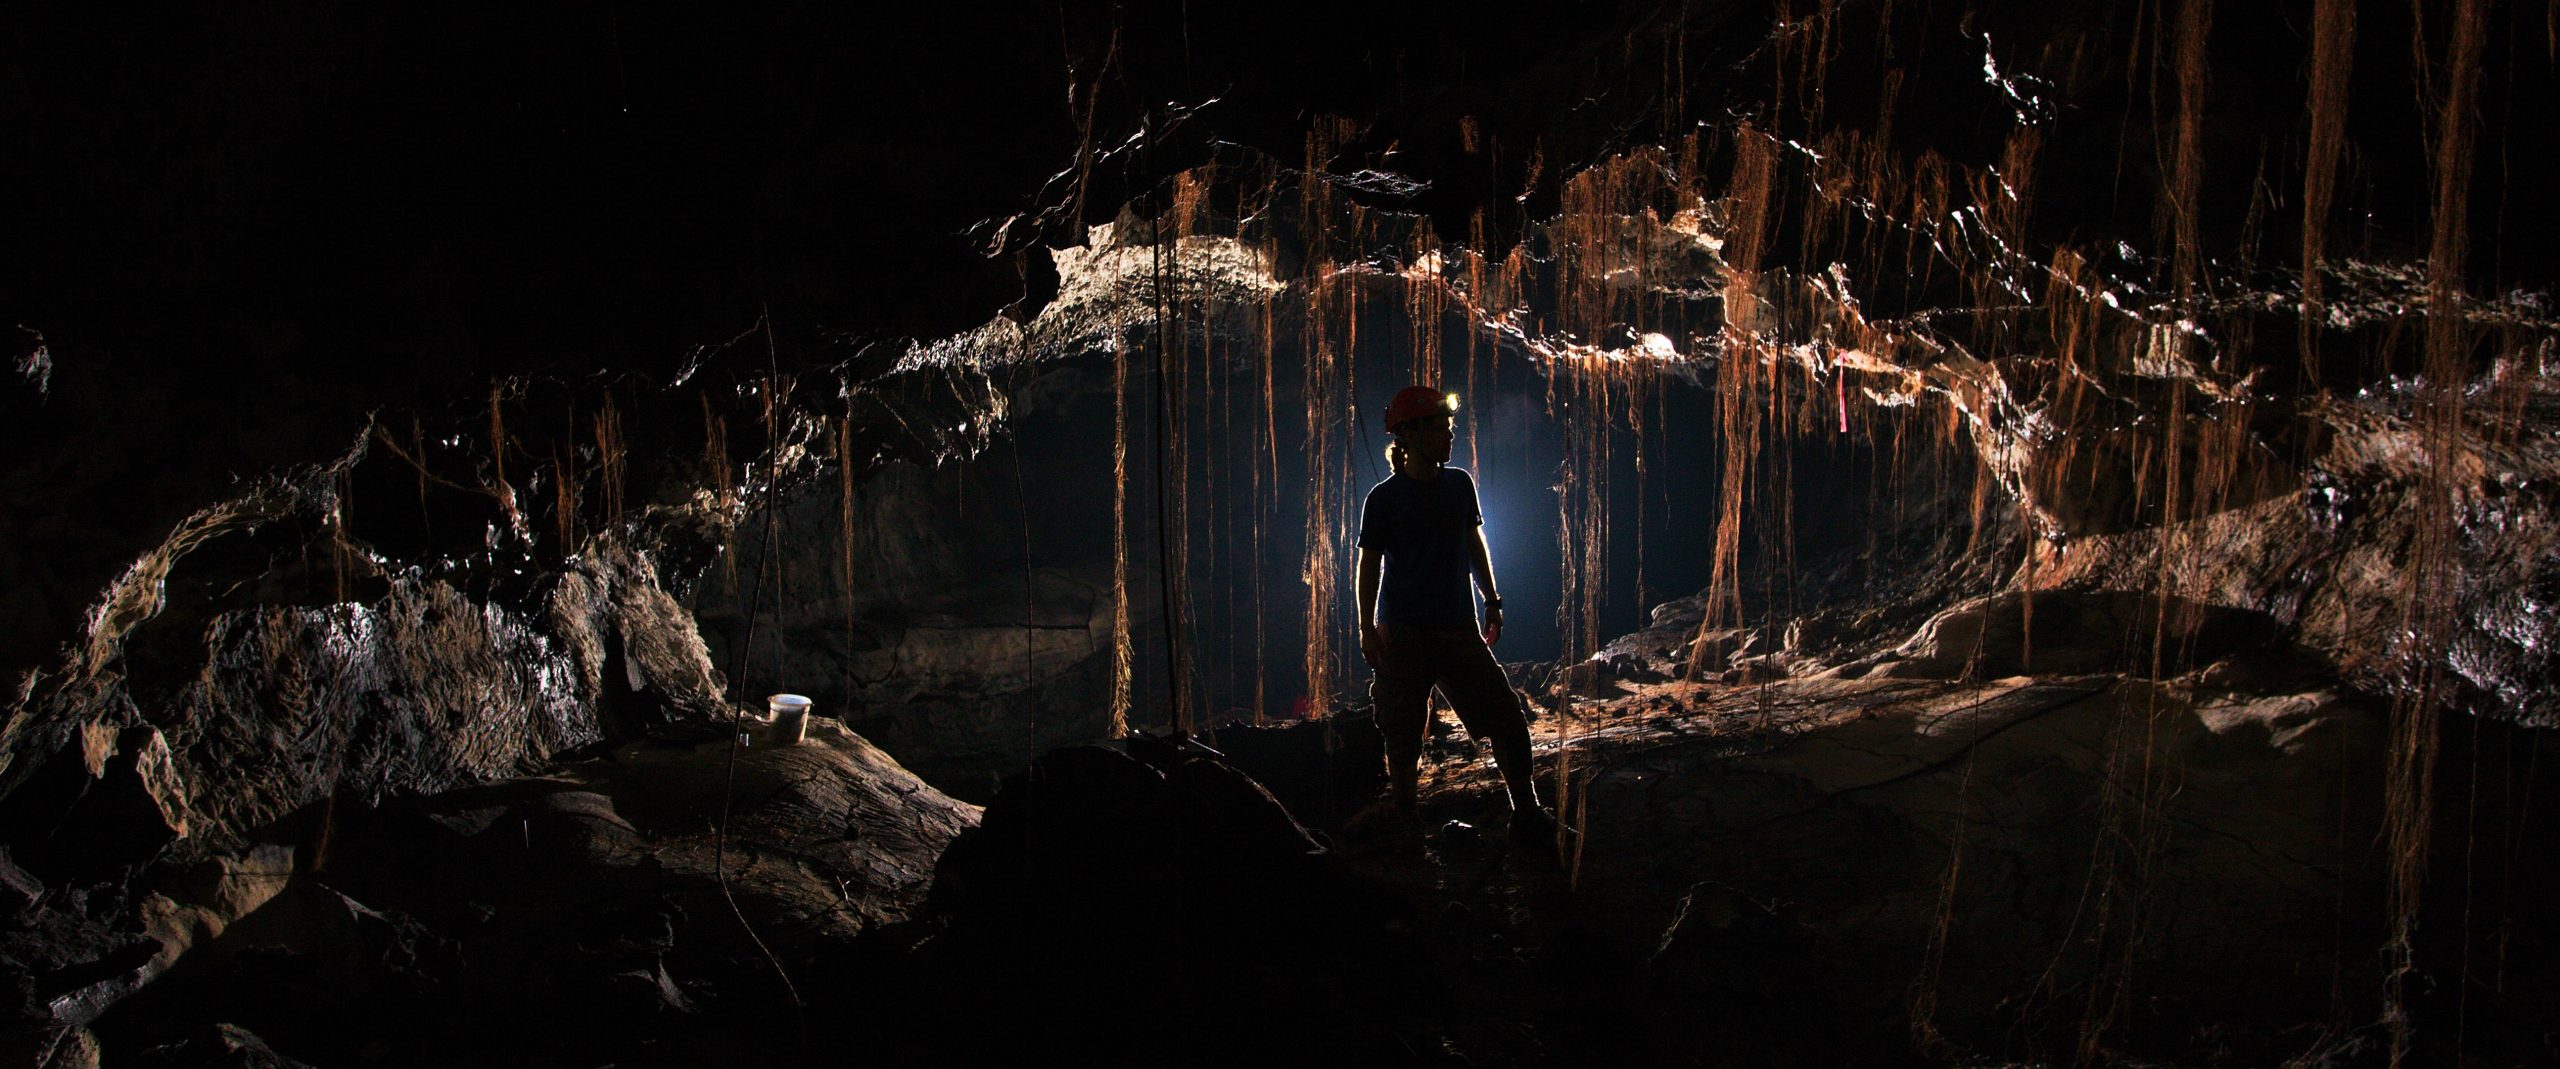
column 1423, row 530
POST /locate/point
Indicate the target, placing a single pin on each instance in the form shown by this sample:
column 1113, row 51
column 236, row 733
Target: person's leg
column 1489, row 708
column 1400, row 694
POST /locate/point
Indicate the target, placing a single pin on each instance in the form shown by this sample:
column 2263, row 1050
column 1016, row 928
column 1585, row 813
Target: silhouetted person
column 1421, row 542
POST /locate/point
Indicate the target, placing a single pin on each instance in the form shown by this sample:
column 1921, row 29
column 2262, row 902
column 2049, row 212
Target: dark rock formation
column 635, row 905
column 1961, row 848
column 1102, row 895
column 263, row 668
column 18, row 890
column 223, row 1046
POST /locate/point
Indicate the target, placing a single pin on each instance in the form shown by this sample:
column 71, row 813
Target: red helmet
column 1415, row 402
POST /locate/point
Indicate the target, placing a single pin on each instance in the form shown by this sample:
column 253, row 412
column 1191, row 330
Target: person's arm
column 1372, row 649
column 1484, row 585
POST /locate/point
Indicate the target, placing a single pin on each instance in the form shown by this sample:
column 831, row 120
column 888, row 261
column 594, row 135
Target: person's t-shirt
column 1423, row 530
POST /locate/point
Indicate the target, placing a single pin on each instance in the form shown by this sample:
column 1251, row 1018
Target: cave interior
column 2030, row 533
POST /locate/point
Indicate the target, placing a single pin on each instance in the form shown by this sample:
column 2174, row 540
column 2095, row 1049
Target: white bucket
column 790, row 713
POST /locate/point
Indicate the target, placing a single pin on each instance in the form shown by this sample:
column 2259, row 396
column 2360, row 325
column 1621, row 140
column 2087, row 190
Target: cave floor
column 1815, row 870
column 1526, row 981
column 1882, row 868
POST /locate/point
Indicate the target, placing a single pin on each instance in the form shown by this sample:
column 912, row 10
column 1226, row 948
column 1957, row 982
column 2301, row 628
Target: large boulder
column 1104, row 893
column 646, row 903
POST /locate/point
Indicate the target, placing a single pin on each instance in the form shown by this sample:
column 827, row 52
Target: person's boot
column 1532, row 823
column 1535, row 826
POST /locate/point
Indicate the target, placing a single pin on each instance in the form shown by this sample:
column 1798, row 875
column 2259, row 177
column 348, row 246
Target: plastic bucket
column 790, row 713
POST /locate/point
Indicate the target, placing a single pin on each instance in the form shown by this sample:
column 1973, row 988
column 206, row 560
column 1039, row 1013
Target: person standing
column 1421, row 545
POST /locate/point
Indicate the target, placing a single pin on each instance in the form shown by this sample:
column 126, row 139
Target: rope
column 739, row 661
column 1022, row 509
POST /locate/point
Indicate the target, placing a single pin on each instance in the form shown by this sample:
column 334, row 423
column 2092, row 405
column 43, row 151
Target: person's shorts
column 1454, row 659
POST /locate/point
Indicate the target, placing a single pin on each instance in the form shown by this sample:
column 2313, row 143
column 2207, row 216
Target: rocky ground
column 644, row 906
column 1924, row 855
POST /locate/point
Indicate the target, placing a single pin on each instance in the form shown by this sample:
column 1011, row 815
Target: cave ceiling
column 266, row 222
